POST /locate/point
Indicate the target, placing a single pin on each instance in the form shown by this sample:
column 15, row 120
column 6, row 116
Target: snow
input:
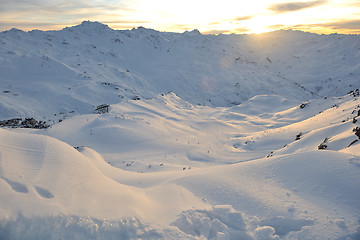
column 207, row 137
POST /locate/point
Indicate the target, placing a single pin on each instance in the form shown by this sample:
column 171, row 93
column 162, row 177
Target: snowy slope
column 207, row 137
column 41, row 171
column 238, row 172
column 80, row 67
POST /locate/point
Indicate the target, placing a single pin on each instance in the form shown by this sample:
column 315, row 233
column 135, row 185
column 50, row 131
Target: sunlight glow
column 226, row 16
column 231, row 16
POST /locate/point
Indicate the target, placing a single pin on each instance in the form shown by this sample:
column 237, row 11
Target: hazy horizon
column 228, row 16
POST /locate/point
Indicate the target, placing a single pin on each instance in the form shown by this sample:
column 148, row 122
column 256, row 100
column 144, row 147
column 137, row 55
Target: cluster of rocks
column 23, row 123
column 357, row 131
column 103, row 108
column 323, row 145
column 303, row 105
column 355, row 92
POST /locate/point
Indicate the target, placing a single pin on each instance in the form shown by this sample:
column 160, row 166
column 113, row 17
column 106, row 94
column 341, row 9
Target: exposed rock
column 303, row 105
column 103, row 108
column 357, row 131
column 323, row 144
column 26, row 123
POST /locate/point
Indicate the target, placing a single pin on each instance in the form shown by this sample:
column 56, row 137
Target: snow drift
column 205, row 137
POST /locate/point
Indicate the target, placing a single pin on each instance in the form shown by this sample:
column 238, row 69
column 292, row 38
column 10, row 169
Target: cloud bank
column 295, row 6
column 257, row 16
column 44, row 14
column 243, row 18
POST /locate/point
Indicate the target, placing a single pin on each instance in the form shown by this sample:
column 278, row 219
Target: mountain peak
column 142, row 29
column 90, row 23
column 194, row 32
column 14, row 30
column 91, row 26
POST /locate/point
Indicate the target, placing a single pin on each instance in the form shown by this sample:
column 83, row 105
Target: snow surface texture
column 257, row 140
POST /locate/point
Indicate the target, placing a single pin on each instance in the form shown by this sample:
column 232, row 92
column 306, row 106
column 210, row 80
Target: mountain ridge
column 140, row 134
column 215, row 70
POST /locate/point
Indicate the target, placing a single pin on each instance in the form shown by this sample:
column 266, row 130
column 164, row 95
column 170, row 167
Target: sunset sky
column 209, row 16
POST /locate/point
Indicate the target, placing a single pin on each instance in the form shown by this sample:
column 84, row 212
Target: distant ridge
column 90, row 64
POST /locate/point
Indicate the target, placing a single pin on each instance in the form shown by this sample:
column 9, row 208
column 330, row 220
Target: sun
column 233, row 16
column 257, row 26
column 202, row 14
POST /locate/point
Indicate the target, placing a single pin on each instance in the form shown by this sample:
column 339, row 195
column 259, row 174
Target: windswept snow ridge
column 200, row 136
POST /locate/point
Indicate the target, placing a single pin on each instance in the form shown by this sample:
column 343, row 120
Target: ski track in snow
column 206, row 137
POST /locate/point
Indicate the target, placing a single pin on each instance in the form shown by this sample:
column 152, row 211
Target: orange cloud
column 242, row 30
column 339, row 26
column 243, row 18
column 216, row 32
column 343, row 24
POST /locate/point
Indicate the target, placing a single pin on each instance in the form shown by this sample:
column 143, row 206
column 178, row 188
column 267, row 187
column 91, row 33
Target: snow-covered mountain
column 80, row 67
column 202, row 136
